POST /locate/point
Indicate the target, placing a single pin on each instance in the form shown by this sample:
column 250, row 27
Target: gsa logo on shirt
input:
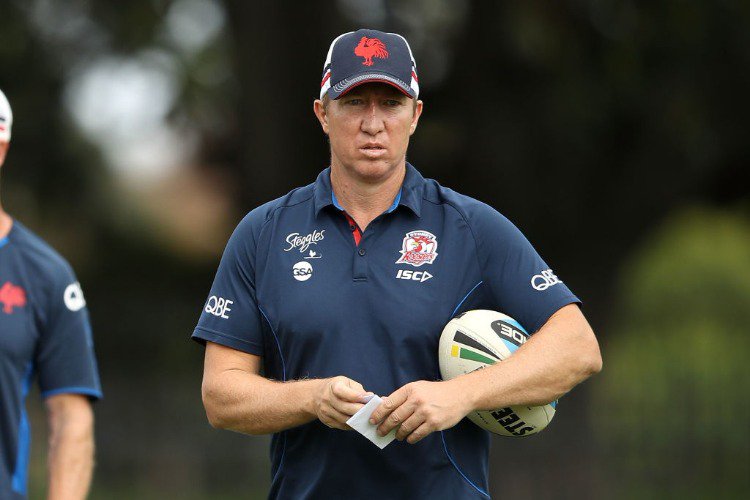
column 302, row 271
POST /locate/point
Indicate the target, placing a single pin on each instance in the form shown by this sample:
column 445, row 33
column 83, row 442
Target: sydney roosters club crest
column 12, row 296
column 369, row 48
column 419, row 247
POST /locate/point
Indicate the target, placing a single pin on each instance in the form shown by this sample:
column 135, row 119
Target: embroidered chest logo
column 12, row 296
column 302, row 243
column 369, row 48
column 418, row 247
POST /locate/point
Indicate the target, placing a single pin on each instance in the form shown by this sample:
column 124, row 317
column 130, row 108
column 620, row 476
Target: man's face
column 369, row 129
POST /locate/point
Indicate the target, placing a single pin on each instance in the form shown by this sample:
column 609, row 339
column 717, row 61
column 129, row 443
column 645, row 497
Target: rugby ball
column 479, row 338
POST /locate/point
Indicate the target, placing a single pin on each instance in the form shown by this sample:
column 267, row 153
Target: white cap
column 6, row 118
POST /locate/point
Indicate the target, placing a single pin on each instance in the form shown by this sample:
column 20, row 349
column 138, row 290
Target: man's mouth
column 373, row 150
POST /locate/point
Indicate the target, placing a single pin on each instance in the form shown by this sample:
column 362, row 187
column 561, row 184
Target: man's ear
column 415, row 118
column 3, row 151
column 322, row 114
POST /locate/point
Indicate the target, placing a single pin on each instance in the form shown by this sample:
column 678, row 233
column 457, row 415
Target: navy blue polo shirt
column 294, row 288
column 44, row 334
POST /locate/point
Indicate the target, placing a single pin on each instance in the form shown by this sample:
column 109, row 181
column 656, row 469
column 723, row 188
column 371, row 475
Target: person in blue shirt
column 44, row 335
column 341, row 289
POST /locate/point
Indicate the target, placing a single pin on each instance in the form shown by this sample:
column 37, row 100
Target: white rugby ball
column 479, row 338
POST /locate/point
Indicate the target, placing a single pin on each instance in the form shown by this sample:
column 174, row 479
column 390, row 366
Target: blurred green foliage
column 671, row 407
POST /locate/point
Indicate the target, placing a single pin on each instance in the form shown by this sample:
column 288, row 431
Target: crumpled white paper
column 360, row 422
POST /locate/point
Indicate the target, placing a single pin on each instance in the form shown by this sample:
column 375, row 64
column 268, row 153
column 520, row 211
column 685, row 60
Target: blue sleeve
column 521, row 284
column 230, row 315
column 64, row 360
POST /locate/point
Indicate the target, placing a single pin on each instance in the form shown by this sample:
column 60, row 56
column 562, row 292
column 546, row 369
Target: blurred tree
column 584, row 122
column 51, row 171
column 278, row 52
column 671, row 409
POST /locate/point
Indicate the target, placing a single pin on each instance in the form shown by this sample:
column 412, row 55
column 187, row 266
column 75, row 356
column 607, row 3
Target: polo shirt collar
column 409, row 196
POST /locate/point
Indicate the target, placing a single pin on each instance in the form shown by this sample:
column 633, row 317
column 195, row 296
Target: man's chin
column 374, row 170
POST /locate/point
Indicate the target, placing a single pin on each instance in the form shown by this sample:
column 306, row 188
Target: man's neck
column 5, row 223
column 364, row 201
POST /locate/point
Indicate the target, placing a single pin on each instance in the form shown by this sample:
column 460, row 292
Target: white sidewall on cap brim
column 338, row 90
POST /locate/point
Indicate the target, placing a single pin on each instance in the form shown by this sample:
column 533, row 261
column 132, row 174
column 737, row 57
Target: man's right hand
column 337, row 399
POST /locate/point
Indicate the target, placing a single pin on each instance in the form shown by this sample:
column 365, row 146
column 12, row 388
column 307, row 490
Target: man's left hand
column 420, row 408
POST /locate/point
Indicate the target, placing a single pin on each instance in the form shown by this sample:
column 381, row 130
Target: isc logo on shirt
column 218, row 306
column 405, row 274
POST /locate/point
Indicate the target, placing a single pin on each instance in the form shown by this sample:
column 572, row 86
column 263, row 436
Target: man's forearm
column 70, row 458
column 251, row 404
column 553, row 361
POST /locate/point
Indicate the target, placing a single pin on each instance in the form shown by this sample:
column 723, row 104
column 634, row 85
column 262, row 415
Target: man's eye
column 354, row 102
column 392, row 102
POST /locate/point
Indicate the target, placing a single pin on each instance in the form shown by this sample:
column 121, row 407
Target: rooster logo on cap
column 369, row 48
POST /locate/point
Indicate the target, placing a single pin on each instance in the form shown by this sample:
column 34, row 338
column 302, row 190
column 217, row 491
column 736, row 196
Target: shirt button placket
column 359, row 270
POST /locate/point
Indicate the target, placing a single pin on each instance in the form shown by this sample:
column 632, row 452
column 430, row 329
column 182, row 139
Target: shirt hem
column 203, row 335
column 552, row 309
column 85, row 391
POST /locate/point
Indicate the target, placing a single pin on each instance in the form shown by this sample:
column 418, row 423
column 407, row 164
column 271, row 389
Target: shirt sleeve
column 230, row 315
column 64, row 359
column 521, row 284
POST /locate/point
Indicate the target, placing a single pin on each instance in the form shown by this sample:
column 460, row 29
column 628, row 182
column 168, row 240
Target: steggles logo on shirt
column 303, row 242
column 313, row 255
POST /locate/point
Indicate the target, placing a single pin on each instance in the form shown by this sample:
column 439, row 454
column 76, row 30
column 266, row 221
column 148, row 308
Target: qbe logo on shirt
column 544, row 280
column 73, row 297
column 218, row 306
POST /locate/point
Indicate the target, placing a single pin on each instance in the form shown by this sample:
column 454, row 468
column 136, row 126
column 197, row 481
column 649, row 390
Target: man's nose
column 373, row 122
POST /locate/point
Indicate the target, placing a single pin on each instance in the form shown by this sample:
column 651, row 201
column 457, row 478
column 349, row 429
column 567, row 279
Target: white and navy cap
column 366, row 56
column 6, row 118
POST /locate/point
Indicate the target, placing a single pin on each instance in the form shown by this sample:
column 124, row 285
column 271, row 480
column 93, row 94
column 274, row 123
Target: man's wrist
column 312, row 389
column 466, row 390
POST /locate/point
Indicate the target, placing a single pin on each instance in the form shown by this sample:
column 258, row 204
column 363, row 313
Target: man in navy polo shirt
column 341, row 289
column 44, row 334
